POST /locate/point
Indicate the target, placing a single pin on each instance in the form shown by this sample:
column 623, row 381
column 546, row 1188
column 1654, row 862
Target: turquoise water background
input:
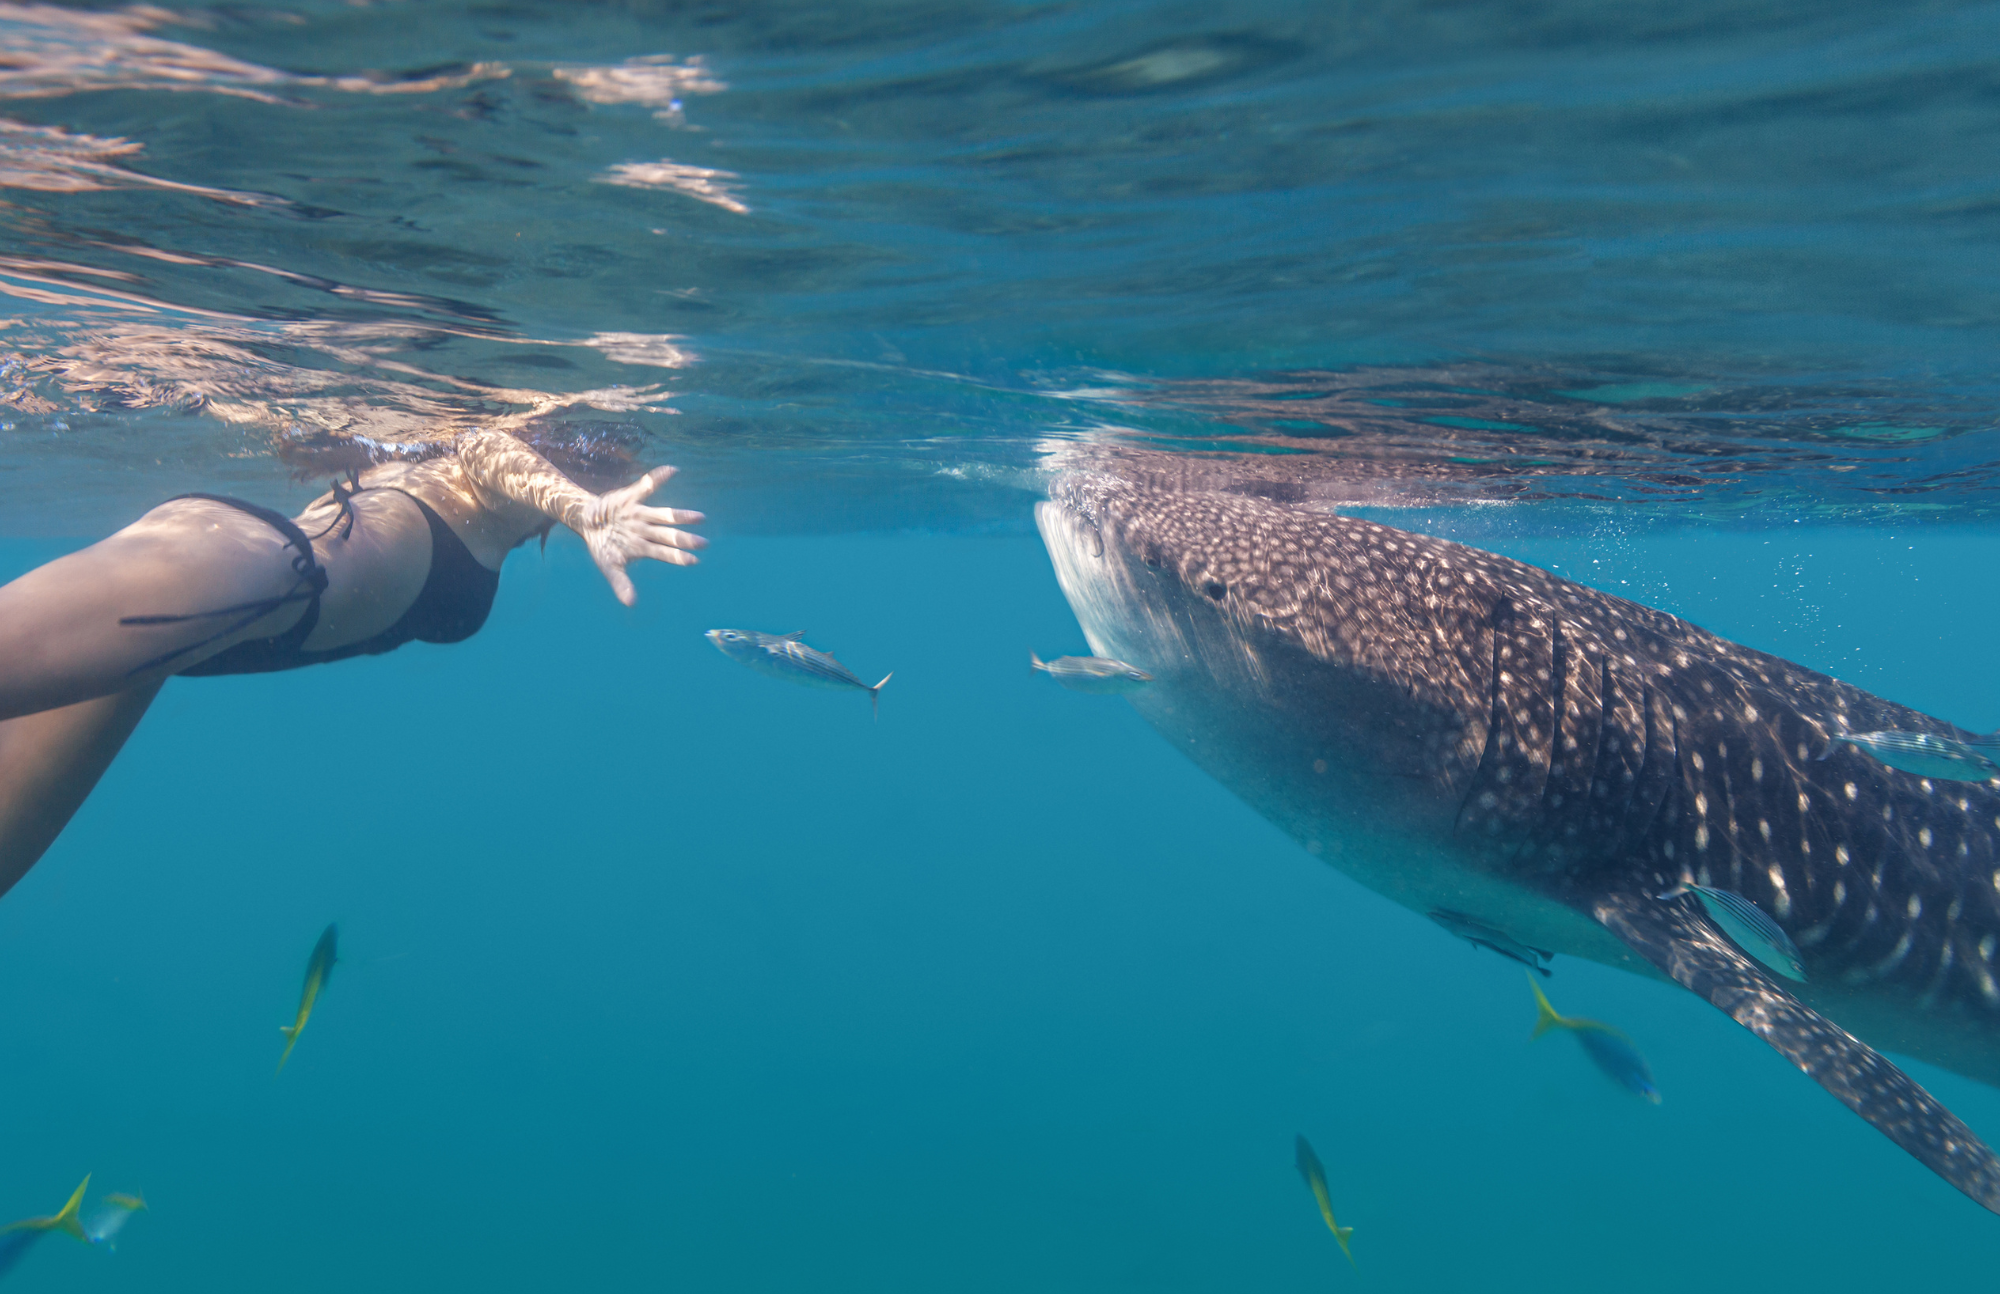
column 659, row 974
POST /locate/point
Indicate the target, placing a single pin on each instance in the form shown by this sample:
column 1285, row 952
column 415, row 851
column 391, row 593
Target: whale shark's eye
column 1215, row 589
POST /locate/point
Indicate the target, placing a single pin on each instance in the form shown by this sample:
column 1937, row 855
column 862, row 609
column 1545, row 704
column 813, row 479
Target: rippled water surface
column 662, row 978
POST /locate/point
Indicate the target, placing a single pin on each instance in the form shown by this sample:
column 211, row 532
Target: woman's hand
column 619, row 529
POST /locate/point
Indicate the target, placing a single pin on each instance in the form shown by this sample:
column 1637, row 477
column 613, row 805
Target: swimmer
column 205, row 585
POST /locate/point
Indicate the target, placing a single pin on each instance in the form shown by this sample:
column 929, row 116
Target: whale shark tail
column 1546, row 1017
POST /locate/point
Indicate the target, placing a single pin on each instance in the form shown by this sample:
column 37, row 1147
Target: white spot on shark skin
column 1701, row 805
column 1957, row 906
column 1840, row 855
column 1749, row 714
column 1701, row 836
column 1781, row 898
column 1986, row 947
column 1924, row 837
column 1756, row 770
column 1895, row 957
column 1926, row 784
column 1695, row 759
column 1764, row 830
column 1839, row 893
column 1804, row 803
column 1988, row 987
column 1915, row 907
column 1850, row 789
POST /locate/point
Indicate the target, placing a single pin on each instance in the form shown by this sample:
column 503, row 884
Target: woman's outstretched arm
column 506, row 476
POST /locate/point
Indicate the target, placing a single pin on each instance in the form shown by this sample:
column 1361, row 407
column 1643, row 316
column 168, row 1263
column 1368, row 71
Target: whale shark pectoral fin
column 1857, row 1075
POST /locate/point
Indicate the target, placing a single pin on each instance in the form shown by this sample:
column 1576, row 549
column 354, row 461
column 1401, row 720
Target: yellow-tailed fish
column 317, row 971
column 17, row 1238
column 1609, row 1049
column 64, row 1221
column 1309, row 1168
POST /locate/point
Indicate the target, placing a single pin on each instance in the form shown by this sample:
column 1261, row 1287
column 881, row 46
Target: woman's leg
column 49, row 762
column 61, row 640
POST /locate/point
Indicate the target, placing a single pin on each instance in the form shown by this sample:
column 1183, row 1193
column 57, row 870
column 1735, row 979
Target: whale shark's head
column 1299, row 658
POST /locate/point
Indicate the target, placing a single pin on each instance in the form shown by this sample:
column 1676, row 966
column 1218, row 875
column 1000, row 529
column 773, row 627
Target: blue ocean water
column 659, row 974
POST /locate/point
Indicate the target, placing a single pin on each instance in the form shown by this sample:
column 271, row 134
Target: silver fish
column 1098, row 674
column 784, row 656
column 1485, row 936
column 1746, row 923
column 1928, row 755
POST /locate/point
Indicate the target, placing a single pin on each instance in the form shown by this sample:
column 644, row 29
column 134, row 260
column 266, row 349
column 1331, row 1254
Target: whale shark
column 1459, row 731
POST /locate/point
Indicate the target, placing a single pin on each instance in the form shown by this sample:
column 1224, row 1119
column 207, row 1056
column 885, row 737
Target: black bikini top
column 452, row 605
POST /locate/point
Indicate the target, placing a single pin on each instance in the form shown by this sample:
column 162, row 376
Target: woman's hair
column 598, row 456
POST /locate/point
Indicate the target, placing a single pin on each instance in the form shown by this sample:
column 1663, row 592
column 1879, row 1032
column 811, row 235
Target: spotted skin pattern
column 1463, row 731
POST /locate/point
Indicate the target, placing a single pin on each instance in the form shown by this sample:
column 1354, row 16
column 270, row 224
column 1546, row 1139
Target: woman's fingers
column 646, row 486
column 671, row 556
column 621, row 585
column 674, row 516
column 676, row 538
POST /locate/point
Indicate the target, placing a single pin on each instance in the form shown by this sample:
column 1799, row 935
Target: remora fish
column 1927, row 755
column 1608, row 1048
column 1484, row 936
column 319, row 967
column 1309, row 1168
column 1458, row 730
column 784, row 656
column 1745, row 922
column 1096, row 674
column 17, row 1238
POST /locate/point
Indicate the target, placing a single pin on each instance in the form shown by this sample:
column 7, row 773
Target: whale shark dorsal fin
column 1858, row 1076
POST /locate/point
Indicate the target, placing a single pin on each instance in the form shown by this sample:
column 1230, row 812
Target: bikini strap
column 311, row 581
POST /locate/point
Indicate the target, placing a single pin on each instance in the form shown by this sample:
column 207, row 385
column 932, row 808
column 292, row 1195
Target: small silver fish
column 1485, row 936
column 1927, row 755
column 1098, row 674
column 784, row 656
column 1746, row 923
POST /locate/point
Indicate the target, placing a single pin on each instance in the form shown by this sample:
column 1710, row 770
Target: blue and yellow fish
column 1309, row 1168
column 17, row 1238
column 1610, row 1049
column 318, row 968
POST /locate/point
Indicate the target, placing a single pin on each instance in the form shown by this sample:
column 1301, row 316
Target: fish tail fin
column 1546, row 1017
column 1035, row 662
column 1340, row 1235
column 291, row 1041
column 875, row 694
column 67, row 1221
